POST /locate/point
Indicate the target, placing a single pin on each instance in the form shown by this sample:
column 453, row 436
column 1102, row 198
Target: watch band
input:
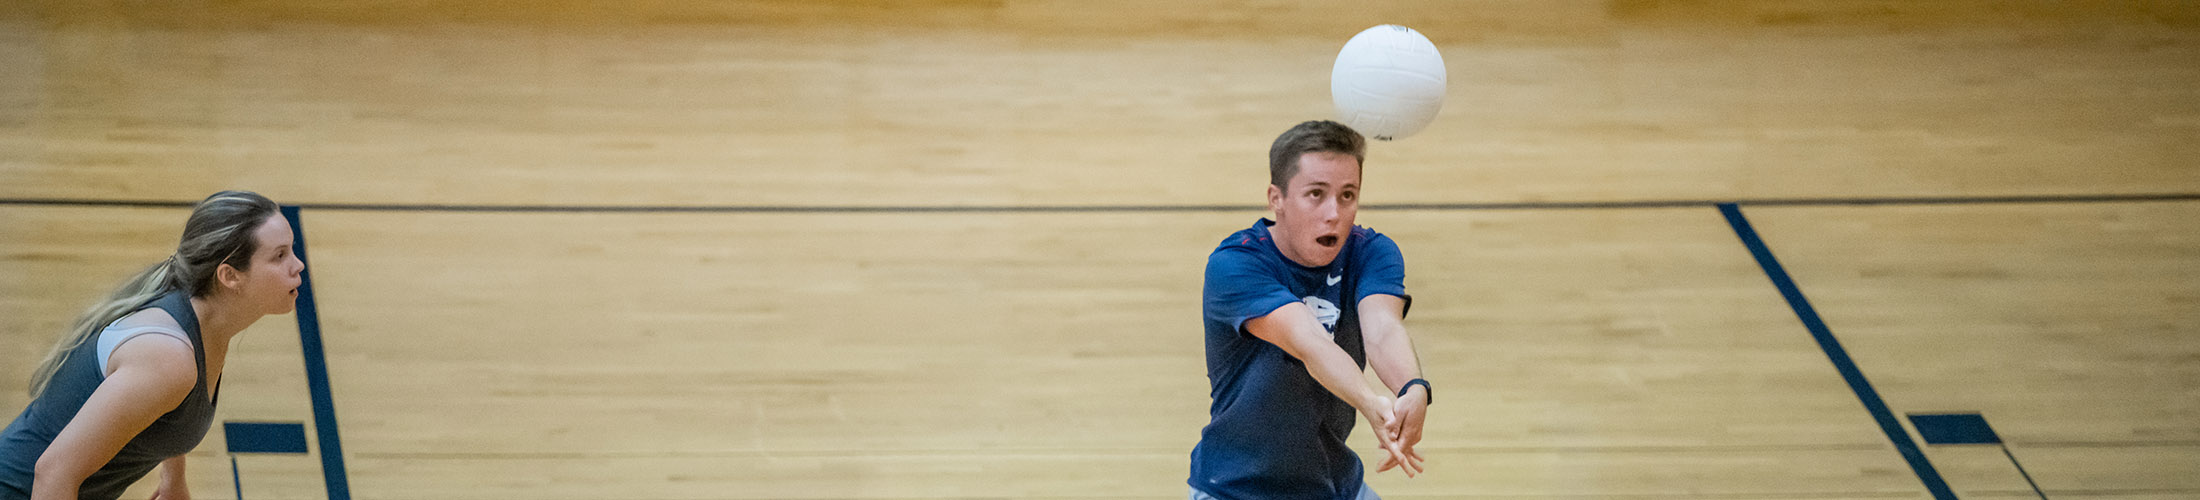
column 1424, row 388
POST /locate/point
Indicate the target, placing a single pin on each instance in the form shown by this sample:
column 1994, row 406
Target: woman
column 134, row 383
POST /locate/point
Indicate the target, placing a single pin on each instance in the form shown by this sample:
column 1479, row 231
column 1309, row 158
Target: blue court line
column 2020, row 470
column 284, row 438
column 236, row 478
column 1839, row 356
column 309, row 341
column 1526, row 205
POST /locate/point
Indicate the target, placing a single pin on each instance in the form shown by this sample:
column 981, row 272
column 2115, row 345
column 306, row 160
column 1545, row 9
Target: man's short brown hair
column 1318, row 136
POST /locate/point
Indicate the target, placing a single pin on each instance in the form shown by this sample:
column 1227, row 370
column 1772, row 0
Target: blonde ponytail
column 218, row 232
column 142, row 288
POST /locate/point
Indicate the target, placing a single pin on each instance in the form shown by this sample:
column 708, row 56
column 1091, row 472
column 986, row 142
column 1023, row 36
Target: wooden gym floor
column 949, row 249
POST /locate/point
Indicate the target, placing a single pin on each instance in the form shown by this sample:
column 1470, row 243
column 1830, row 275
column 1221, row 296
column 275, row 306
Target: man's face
column 1314, row 212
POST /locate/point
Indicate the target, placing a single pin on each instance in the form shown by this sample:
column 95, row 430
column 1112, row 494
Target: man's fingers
column 1398, row 454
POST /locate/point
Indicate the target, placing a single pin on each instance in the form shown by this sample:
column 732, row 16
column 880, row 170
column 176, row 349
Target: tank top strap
column 178, row 305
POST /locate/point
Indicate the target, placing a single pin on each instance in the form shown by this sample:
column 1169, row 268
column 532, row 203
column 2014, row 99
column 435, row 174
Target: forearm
column 1392, row 357
column 1293, row 329
column 1383, row 334
column 171, row 471
column 51, row 483
column 59, row 473
column 1337, row 373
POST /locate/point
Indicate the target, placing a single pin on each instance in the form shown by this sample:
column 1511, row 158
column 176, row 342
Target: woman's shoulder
column 152, row 318
column 148, row 338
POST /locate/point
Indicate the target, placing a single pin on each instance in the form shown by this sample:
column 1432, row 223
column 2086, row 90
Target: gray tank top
column 175, row 433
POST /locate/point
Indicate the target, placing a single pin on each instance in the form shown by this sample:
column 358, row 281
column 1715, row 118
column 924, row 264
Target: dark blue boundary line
column 236, row 478
column 1839, row 356
column 309, row 341
column 1530, row 205
column 2020, row 470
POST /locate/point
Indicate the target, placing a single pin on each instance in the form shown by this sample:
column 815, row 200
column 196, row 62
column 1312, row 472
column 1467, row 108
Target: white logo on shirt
column 1333, row 279
column 1324, row 312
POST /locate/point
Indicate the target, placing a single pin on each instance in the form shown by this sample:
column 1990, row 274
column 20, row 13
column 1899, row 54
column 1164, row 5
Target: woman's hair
column 218, row 232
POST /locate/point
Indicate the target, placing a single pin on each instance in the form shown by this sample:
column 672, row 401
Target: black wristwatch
column 1424, row 388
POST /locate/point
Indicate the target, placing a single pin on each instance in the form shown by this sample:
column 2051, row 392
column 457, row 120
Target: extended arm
column 1390, row 353
column 153, row 373
column 1294, row 329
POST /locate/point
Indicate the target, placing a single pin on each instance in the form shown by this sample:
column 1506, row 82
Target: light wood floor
column 1579, row 353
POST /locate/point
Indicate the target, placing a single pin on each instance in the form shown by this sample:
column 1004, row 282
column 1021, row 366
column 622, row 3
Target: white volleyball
column 1388, row 82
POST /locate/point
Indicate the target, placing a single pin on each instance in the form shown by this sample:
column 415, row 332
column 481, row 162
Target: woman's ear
column 228, row 277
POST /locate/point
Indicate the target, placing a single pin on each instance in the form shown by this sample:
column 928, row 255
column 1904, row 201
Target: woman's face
column 270, row 282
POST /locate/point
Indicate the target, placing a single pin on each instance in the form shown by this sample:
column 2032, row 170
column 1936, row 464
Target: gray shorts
column 1366, row 493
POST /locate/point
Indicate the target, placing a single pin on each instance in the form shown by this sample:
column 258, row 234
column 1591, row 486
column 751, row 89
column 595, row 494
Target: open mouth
column 1327, row 240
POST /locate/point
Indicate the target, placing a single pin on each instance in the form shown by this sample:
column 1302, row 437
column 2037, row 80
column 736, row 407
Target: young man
column 1295, row 309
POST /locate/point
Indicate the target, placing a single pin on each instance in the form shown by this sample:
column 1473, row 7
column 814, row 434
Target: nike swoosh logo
column 1334, row 279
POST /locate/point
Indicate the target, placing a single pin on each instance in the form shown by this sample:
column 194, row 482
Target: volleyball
column 1388, row 83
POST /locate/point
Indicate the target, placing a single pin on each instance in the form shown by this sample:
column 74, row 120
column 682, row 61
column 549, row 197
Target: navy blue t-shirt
column 1275, row 432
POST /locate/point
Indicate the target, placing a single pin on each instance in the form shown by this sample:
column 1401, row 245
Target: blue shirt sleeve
column 1241, row 286
column 1382, row 270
